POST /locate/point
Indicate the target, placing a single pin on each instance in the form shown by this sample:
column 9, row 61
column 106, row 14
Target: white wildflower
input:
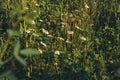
column 70, row 58
column 32, row 22
column 37, row 4
column 49, row 35
column 55, row 63
column 77, row 10
column 36, row 35
column 67, row 41
column 60, row 38
column 83, row 38
column 76, row 26
column 71, row 15
column 28, row 31
column 43, row 44
column 63, row 23
column 70, row 32
column 86, row 6
column 40, row 50
column 57, row 52
column 45, row 31
column 41, row 20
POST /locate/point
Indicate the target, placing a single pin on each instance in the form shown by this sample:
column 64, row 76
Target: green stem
column 4, row 47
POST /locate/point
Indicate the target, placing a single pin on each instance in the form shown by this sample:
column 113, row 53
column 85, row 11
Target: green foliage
column 16, row 54
column 60, row 40
column 8, row 75
column 12, row 33
column 29, row 52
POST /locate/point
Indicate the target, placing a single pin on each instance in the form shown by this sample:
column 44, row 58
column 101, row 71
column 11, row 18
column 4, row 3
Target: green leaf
column 21, row 60
column 29, row 52
column 12, row 33
column 29, row 21
column 16, row 54
column 16, row 48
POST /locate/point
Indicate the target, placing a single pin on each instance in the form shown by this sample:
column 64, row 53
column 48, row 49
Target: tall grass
column 76, row 40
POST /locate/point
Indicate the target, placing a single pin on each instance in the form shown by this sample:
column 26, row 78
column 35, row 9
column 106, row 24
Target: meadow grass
column 75, row 40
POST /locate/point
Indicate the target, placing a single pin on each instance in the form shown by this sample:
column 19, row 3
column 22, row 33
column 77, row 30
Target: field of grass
column 59, row 40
